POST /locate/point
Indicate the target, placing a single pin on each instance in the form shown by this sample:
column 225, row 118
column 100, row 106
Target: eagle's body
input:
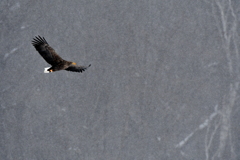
column 51, row 57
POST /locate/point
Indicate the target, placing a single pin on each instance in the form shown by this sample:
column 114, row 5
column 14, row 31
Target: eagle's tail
column 46, row 70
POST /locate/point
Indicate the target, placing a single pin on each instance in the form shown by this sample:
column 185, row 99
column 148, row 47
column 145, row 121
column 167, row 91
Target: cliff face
column 163, row 82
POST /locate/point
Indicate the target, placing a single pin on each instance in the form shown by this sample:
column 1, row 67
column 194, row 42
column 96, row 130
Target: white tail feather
column 46, row 70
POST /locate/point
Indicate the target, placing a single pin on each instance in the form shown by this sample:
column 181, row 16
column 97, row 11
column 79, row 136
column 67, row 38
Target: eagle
column 51, row 57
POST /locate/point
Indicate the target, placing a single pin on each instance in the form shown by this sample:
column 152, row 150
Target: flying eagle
column 51, row 57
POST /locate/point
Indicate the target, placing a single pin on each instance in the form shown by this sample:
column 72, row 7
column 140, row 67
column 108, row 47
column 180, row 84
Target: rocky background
column 164, row 80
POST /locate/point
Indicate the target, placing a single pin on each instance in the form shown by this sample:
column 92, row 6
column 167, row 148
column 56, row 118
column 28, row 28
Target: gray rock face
column 164, row 80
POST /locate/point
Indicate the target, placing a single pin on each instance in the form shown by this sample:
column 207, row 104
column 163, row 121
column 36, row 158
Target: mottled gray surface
column 164, row 80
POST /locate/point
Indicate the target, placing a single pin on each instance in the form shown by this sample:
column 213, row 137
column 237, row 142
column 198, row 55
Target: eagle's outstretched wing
column 47, row 52
column 76, row 68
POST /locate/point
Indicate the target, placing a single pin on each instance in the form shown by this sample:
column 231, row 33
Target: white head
column 46, row 70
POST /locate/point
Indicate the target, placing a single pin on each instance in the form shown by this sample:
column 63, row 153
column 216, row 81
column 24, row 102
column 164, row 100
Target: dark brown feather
column 76, row 68
column 46, row 51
